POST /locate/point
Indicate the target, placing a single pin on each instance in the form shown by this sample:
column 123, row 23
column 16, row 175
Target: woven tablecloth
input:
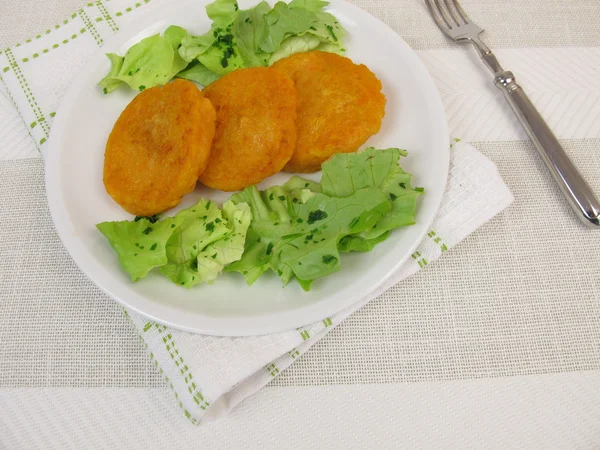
column 498, row 343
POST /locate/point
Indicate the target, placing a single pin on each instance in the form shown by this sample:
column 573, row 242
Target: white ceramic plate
column 78, row 201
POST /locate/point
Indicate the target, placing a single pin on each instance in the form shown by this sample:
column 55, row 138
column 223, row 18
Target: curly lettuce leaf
column 222, row 12
column 271, row 221
column 248, row 29
column 109, row 83
column 259, row 36
column 198, row 73
column 327, row 28
column 201, row 225
column 297, row 238
column 151, row 62
column 356, row 243
column 230, row 248
column 311, row 5
column 148, row 63
column 192, row 247
column 175, row 35
column 326, row 220
column 295, row 44
column 223, row 56
column 347, row 173
column 141, row 244
column 217, row 49
column 300, row 228
column 283, row 21
column 194, row 46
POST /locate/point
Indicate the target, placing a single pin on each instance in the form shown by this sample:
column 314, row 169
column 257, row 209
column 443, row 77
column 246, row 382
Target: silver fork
column 453, row 21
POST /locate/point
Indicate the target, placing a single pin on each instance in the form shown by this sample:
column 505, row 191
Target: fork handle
column 575, row 189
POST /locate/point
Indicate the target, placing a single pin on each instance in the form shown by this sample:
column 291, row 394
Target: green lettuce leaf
column 295, row 44
column 356, row 243
column 271, row 220
column 198, row 73
column 296, row 238
column 175, row 36
column 326, row 220
column 148, row 63
column 248, row 28
column 259, row 36
column 222, row 12
column 217, row 255
column 300, row 228
column 283, row 21
column 151, row 62
column 193, row 46
column 310, row 5
column 109, row 83
column 223, row 56
column 216, row 50
column 201, row 225
column 192, row 247
column 141, row 244
column 327, row 28
column 347, row 173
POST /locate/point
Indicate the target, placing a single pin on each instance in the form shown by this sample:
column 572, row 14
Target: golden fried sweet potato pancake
column 256, row 127
column 158, row 147
column 340, row 105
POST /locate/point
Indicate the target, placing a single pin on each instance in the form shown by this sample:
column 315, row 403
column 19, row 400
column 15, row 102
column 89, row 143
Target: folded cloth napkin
column 211, row 375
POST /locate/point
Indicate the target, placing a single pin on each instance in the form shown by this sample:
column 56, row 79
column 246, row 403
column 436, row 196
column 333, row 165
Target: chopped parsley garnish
column 330, row 29
column 151, row 219
column 328, row 259
column 316, row 215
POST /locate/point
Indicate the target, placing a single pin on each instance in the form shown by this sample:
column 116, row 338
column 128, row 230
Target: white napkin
column 211, row 375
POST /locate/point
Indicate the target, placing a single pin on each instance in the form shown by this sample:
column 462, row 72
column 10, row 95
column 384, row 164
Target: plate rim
column 59, row 214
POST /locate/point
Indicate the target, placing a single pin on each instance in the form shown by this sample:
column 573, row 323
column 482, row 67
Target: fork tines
column 448, row 13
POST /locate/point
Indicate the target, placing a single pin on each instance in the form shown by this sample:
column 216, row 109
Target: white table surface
column 496, row 345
